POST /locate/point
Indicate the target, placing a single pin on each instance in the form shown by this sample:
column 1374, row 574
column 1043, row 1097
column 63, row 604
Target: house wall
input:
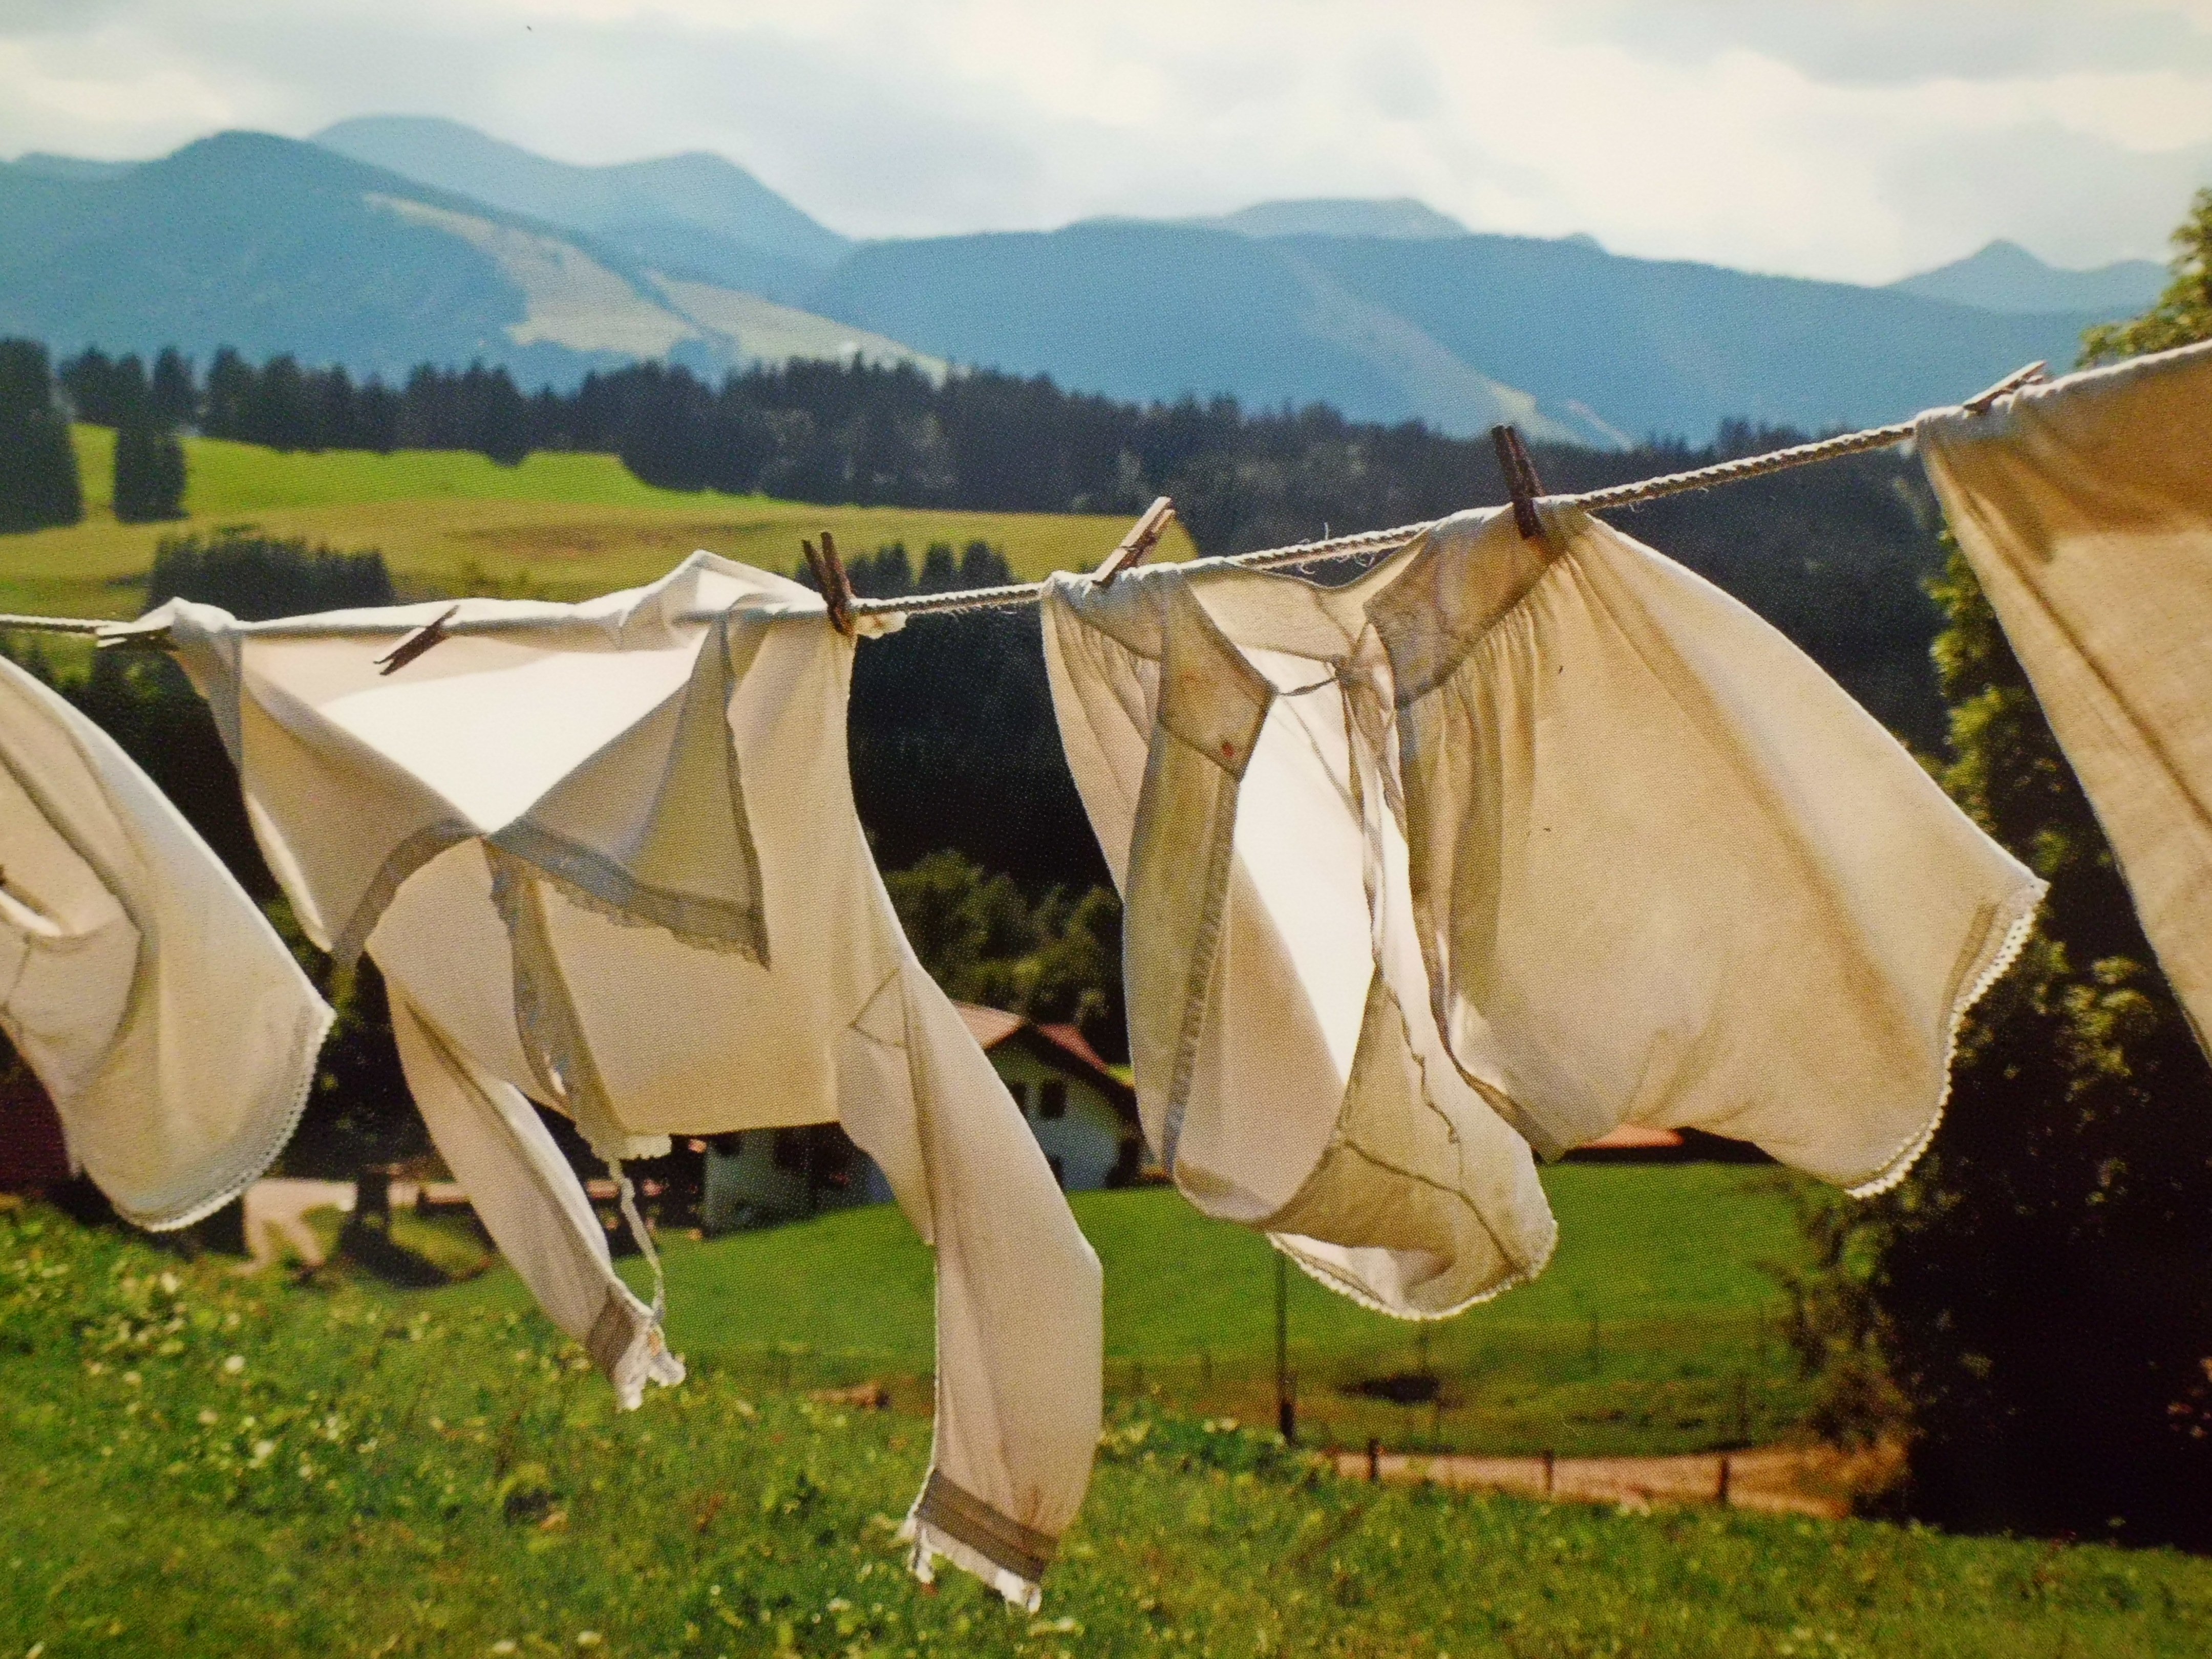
column 1084, row 1142
column 745, row 1186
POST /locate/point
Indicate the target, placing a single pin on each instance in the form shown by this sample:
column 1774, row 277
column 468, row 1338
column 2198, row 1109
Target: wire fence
column 1655, row 1387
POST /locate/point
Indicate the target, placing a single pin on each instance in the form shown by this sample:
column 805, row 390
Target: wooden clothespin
column 134, row 636
column 1520, row 482
column 829, row 576
column 1143, row 536
column 416, row 642
column 1981, row 402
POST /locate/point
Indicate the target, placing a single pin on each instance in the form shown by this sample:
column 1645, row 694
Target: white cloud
column 1854, row 138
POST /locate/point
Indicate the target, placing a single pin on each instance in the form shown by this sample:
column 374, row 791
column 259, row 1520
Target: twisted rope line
column 1019, row 594
column 1015, row 596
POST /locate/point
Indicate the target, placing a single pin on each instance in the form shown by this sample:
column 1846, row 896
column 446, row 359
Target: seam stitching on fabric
column 595, row 883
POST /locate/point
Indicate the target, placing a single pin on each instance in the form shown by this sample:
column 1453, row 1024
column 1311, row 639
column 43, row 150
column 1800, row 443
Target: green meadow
column 195, row 1463
column 1656, row 1329
column 557, row 525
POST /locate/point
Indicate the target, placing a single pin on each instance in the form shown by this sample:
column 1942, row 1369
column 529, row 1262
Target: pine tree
column 174, row 400
column 2033, row 1306
column 150, row 474
column 39, row 486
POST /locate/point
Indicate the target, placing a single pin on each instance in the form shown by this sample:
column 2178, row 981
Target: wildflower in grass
column 234, row 1365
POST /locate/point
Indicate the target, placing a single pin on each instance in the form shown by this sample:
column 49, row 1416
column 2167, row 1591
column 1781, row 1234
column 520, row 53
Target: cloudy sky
column 1849, row 138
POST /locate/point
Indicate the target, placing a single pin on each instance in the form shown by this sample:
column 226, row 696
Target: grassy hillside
column 567, row 526
column 1655, row 1330
column 193, row 1463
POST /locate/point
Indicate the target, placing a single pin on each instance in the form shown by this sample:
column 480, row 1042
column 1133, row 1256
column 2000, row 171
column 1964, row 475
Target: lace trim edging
column 2023, row 907
column 245, row 1170
column 1321, row 1274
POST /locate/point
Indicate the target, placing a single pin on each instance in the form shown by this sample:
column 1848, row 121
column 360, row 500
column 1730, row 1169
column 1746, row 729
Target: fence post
column 1549, row 1472
column 1374, row 1458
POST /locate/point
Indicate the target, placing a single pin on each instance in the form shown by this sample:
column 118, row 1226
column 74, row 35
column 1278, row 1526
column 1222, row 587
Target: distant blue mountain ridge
column 391, row 240
column 2006, row 276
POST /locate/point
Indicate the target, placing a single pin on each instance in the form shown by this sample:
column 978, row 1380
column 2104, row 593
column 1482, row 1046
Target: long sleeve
column 531, row 1201
column 174, row 1031
column 1019, row 1295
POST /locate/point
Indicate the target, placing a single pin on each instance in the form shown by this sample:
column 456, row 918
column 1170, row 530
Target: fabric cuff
column 949, row 1522
column 627, row 1346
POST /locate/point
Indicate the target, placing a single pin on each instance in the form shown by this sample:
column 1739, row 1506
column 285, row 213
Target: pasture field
column 557, row 525
column 1656, row 1329
column 191, row 1463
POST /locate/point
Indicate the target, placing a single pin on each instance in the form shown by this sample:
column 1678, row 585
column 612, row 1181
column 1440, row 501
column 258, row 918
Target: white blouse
column 2084, row 505
column 1505, row 836
column 607, row 857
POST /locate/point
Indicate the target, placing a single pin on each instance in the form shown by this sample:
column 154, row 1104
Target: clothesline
column 1016, row 596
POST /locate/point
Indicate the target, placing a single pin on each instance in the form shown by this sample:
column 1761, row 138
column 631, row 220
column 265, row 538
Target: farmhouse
column 1085, row 1118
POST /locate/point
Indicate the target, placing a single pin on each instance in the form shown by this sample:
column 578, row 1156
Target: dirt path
column 1816, row 1481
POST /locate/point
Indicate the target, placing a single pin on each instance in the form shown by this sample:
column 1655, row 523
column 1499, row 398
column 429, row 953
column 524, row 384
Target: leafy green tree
column 150, row 474
column 2183, row 314
column 983, row 940
column 2032, row 1308
column 38, row 484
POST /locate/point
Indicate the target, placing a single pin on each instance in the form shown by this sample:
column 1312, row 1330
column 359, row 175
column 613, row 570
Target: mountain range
column 393, row 240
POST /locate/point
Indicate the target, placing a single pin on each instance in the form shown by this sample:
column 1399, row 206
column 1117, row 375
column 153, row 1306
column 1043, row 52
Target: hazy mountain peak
column 2005, row 276
column 42, row 164
column 1397, row 218
column 693, row 211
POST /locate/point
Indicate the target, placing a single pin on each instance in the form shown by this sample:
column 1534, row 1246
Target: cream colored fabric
column 610, row 851
column 1232, row 746
column 2085, row 507
column 528, row 1198
column 171, row 1028
column 1493, row 836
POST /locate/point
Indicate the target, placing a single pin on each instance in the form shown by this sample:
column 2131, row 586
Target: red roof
column 1071, row 1039
column 1633, row 1138
column 994, row 1026
column 991, row 1026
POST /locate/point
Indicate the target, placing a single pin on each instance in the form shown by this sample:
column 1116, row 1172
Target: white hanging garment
column 1504, row 835
column 2084, row 505
column 172, row 1029
column 527, row 1197
column 1229, row 733
column 608, row 854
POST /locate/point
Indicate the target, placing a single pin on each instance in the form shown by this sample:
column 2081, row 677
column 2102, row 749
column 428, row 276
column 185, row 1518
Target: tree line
column 1836, row 555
